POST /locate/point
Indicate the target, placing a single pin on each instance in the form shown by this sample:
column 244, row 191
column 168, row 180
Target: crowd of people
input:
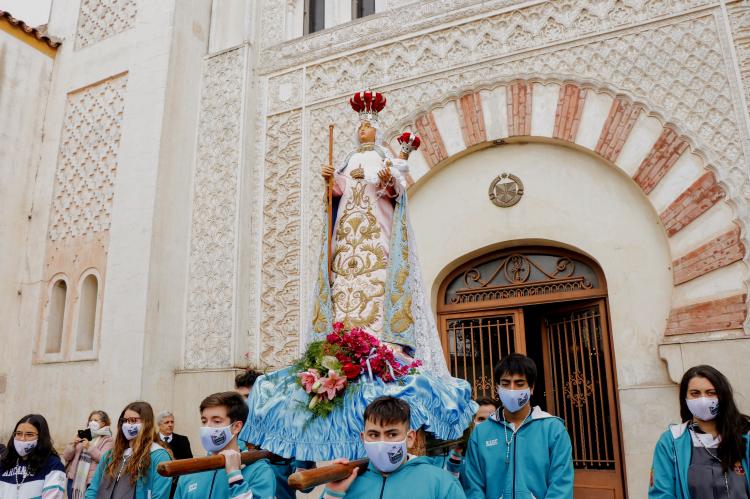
column 514, row 450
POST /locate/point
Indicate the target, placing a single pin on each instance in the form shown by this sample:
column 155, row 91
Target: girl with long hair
column 30, row 467
column 83, row 454
column 708, row 455
column 129, row 469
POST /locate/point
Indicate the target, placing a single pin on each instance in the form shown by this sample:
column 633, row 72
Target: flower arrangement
column 329, row 367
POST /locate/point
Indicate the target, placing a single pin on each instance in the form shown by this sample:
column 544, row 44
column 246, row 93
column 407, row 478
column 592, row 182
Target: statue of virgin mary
column 374, row 283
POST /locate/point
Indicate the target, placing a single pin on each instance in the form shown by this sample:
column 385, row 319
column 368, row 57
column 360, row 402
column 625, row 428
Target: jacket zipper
column 382, row 487
column 515, row 445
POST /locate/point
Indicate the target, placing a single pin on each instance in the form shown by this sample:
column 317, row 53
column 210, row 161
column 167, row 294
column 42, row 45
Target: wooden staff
column 194, row 465
column 304, row 479
column 329, row 196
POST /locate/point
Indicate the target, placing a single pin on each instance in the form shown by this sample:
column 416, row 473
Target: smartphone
column 85, row 434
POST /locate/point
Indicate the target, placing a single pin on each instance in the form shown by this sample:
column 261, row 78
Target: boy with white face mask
column 392, row 472
column 519, row 451
column 222, row 417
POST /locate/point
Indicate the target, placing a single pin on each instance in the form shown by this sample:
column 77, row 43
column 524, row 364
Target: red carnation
column 351, row 371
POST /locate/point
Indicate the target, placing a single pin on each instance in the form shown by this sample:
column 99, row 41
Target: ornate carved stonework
column 508, row 31
column 739, row 18
column 87, row 163
column 100, row 19
column 285, row 92
column 213, row 238
column 280, row 266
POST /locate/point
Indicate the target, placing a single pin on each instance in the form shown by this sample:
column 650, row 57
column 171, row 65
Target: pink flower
column 331, row 385
column 308, row 379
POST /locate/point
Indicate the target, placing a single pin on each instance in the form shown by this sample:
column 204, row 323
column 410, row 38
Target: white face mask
column 704, row 408
column 386, row 456
column 514, row 400
column 131, row 430
column 93, row 426
column 214, row 439
column 24, row 447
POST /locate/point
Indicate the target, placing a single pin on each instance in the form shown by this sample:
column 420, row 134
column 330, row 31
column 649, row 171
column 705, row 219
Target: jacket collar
column 536, row 413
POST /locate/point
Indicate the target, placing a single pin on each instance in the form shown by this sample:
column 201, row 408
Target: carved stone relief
column 506, row 32
column 213, row 240
column 280, row 266
column 739, row 18
column 100, row 19
column 87, row 163
column 285, row 92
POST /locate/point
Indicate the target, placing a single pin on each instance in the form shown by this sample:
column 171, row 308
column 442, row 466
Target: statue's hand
column 384, row 175
column 327, row 171
column 358, row 173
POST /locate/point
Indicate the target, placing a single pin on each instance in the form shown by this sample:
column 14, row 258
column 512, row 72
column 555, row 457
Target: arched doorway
column 550, row 304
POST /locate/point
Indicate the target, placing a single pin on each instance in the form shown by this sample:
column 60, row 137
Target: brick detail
column 617, row 127
column 569, row 108
column 519, row 108
column 699, row 197
column 472, row 119
column 714, row 315
column 715, row 254
column 433, row 147
column 665, row 153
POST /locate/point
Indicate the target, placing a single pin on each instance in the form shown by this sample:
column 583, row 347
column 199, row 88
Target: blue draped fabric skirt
column 280, row 422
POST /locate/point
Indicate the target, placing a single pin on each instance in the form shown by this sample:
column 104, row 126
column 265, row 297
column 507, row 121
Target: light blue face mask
column 215, row 439
column 514, row 400
column 386, row 456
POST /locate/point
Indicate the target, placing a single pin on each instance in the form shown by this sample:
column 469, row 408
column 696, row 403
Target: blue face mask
column 514, row 400
column 386, row 456
column 215, row 439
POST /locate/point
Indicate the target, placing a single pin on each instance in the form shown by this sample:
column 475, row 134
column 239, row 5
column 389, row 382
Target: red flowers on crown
column 368, row 104
column 409, row 142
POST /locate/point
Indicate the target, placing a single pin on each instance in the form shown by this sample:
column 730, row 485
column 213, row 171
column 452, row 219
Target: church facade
column 581, row 195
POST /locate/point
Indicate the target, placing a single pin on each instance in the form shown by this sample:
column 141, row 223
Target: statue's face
column 366, row 133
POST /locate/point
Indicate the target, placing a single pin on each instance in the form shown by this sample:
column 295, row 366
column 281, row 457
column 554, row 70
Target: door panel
column 474, row 343
column 578, row 370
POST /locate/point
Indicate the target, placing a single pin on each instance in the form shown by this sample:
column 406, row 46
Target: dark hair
column 41, row 453
column 237, row 409
column 730, row 423
column 488, row 401
column 247, row 379
column 388, row 410
column 516, row 363
column 102, row 415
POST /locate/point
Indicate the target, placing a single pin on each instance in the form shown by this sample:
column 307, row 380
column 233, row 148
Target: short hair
column 162, row 416
column 237, row 409
column 517, row 363
column 247, row 378
column 388, row 410
column 488, row 401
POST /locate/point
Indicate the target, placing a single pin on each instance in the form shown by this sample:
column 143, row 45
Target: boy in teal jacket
column 519, row 452
column 669, row 473
column 392, row 473
column 222, row 416
column 151, row 485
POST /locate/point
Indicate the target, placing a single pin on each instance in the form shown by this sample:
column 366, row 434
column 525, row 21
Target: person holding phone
column 83, row 454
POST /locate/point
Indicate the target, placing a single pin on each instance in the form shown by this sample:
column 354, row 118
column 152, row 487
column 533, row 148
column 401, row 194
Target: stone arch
column 699, row 219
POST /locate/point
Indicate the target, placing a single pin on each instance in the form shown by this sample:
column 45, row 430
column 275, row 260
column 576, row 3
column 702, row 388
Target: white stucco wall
column 25, row 74
column 574, row 200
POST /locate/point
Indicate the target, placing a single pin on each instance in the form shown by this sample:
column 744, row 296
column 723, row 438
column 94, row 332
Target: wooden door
column 580, row 379
column 475, row 342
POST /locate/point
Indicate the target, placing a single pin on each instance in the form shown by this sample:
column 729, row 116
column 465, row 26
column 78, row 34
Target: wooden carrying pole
column 214, row 462
column 305, row 479
column 329, row 197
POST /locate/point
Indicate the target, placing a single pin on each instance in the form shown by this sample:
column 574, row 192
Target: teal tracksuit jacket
column 415, row 479
column 259, row 482
column 672, row 455
column 541, row 461
column 150, row 486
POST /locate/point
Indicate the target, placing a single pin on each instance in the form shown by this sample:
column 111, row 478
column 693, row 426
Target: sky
column 32, row 12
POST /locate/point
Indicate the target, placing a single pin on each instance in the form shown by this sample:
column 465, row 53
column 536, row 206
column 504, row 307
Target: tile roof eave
column 29, row 30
